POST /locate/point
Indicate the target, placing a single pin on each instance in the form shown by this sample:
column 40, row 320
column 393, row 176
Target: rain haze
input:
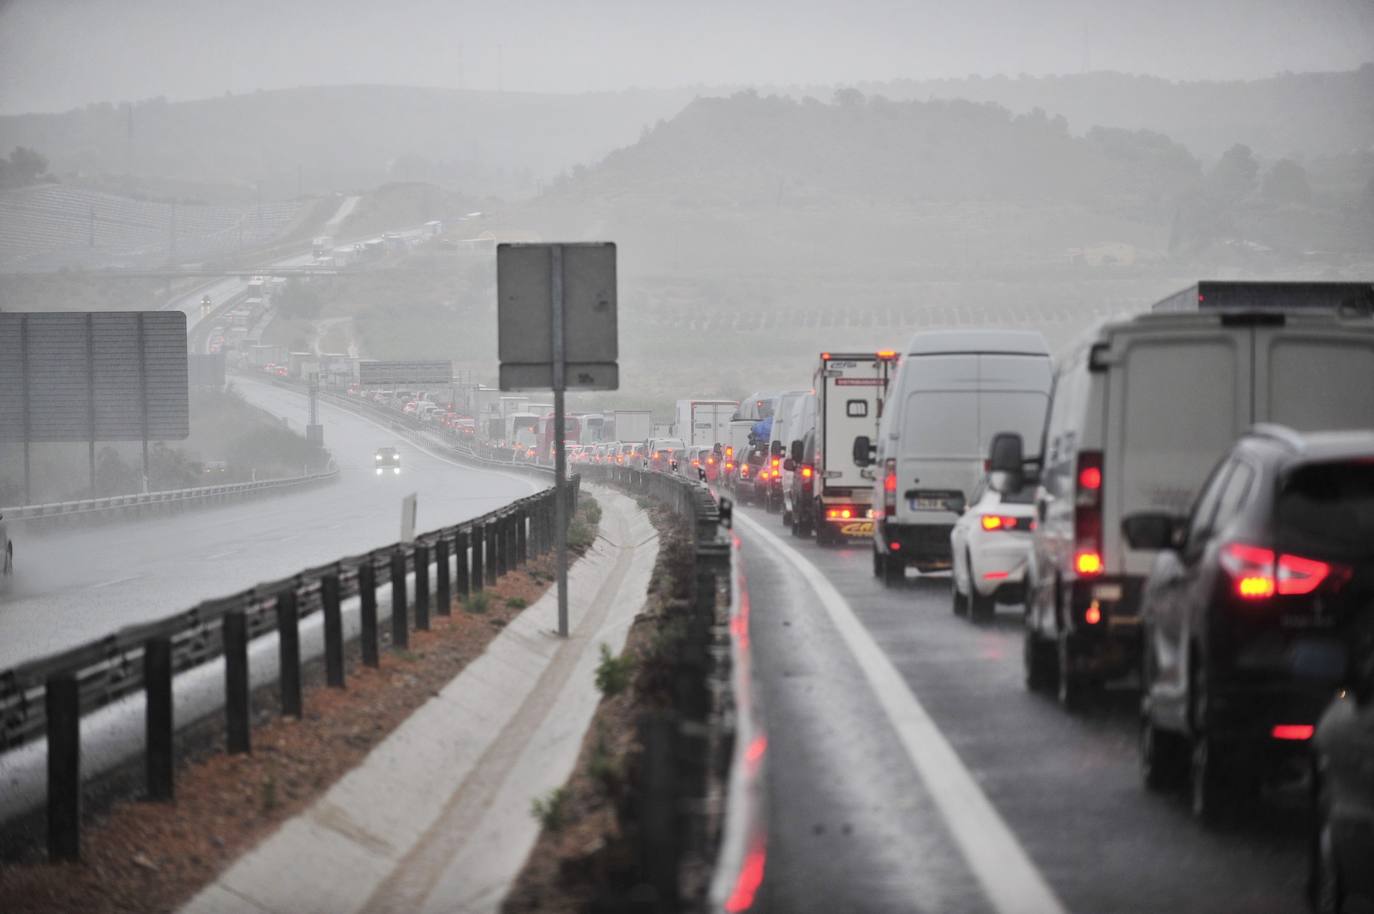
column 59, row 56
column 715, row 457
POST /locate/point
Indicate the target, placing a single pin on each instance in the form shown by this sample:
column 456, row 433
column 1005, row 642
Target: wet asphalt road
column 853, row 826
column 75, row 584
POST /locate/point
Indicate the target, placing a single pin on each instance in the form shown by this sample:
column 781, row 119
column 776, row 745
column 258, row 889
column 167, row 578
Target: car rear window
column 1329, row 506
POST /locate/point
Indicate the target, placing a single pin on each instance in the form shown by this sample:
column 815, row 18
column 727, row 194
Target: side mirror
column 1151, row 530
column 863, row 451
column 797, row 451
column 790, row 464
column 1006, row 463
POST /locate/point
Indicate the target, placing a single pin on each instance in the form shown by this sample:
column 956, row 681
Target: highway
column 910, row 770
column 80, row 583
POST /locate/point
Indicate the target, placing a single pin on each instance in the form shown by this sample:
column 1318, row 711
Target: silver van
column 953, row 390
column 1143, row 408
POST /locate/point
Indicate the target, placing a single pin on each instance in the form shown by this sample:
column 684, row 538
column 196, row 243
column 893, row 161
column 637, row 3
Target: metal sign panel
column 525, row 294
column 383, row 374
column 93, row 376
column 207, row 370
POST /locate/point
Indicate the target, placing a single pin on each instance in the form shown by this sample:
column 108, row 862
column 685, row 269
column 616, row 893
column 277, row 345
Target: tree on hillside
column 1286, row 184
column 1234, row 176
column 23, row 167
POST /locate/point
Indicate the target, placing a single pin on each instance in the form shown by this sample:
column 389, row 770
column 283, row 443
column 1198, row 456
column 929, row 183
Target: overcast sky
column 60, row 54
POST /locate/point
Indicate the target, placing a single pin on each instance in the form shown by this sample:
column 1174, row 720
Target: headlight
column 379, row 471
column 379, row 458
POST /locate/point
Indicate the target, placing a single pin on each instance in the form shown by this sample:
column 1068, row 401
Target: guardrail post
column 658, row 810
column 367, row 603
column 489, row 564
column 62, row 700
column 157, row 717
column 479, row 576
column 400, row 624
column 236, row 695
column 421, row 587
column 460, row 552
column 443, row 595
column 333, row 631
column 522, row 545
column 502, row 546
column 289, row 653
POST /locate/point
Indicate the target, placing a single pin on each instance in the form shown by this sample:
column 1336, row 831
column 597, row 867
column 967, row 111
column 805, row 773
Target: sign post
column 556, row 329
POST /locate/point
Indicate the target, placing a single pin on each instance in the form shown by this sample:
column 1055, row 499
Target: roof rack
column 1280, row 433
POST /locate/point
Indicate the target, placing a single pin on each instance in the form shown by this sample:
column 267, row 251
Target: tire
column 1039, row 659
column 981, row 608
column 1071, row 689
column 879, row 561
column 788, row 519
column 1206, row 779
column 1163, row 757
column 804, row 527
column 1326, row 885
column 894, row 572
column 959, row 602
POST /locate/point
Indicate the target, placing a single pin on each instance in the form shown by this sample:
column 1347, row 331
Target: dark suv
column 1249, row 608
column 803, row 495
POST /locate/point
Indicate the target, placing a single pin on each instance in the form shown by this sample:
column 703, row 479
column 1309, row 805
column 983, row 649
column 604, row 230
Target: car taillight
column 1292, row 731
column 807, row 472
column 729, row 452
column 998, row 522
column 1087, row 515
column 1257, row 574
column 890, row 487
column 743, row 470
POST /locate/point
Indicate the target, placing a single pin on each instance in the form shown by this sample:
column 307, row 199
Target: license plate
column 857, row 528
column 928, row 504
column 1107, row 592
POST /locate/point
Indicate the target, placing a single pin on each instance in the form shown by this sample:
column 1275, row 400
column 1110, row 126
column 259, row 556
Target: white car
column 990, row 546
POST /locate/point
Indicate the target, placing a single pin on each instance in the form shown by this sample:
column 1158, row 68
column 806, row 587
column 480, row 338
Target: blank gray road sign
column 524, row 291
column 93, row 376
column 389, row 374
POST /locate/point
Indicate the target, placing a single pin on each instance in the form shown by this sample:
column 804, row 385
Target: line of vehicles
column 1182, row 502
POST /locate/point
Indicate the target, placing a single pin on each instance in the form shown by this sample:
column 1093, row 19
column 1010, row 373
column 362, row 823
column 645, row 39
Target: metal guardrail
column 49, row 696
column 136, row 504
column 693, row 751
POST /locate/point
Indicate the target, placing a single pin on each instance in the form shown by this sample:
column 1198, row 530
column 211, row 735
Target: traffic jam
column 1180, row 504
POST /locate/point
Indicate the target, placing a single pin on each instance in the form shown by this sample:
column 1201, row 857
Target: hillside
column 343, row 138
column 1307, row 115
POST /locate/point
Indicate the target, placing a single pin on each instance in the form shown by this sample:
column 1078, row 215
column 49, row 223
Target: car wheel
column 879, row 560
column 787, row 518
column 959, row 602
column 981, row 608
column 894, row 571
column 793, row 524
column 1039, row 658
column 1070, row 691
column 804, row 527
column 1328, row 893
column 1207, row 780
column 1163, row 756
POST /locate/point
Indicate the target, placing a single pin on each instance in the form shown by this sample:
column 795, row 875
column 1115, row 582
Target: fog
column 55, row 56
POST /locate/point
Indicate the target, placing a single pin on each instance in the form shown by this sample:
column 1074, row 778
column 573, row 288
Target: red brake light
column 997, row 522
column 1298, row 575
column 1093, row 615
column 890, row 487
column 777, row 460
column 1292, row 731
column 1090, row 477
column 806, row 472
column 1259, row 574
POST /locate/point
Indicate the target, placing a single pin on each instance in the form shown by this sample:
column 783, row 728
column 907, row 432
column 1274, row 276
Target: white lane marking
column 1010, row 879
column 132, row 577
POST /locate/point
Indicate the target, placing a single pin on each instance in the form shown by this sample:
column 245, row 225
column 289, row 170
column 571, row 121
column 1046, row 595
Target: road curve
column 76, row 584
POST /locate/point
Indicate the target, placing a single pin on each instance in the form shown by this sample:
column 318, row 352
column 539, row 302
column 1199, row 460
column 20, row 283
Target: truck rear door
column 1176, row 399
column 1314, row 374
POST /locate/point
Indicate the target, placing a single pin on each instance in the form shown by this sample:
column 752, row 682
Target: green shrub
column 613, row 674
column 551, row 811
column 477, row 602
column 517, row 603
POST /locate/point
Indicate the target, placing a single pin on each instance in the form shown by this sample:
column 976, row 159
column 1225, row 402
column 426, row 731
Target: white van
column 1143, row 409
column 953, row 390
